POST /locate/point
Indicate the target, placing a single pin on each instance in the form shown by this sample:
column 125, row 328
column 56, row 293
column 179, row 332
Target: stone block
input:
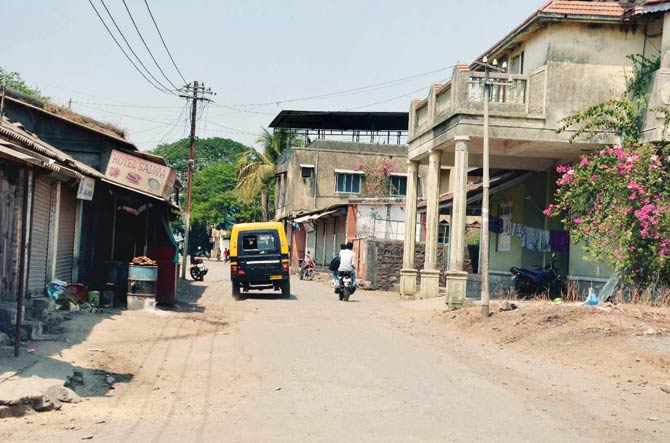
column 456, row 288
column 430, row 283
column 408, row 283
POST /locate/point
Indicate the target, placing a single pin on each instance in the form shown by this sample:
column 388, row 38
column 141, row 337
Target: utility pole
column 4, row 92
column 191, row 162
column 484, row 238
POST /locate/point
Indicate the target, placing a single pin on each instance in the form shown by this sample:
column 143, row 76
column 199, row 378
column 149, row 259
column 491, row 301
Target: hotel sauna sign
column 140, row 174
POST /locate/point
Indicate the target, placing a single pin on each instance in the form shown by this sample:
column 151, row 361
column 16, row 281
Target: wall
column 10, row 229
column 368, row 222
column 384, row 262
column 318, row 191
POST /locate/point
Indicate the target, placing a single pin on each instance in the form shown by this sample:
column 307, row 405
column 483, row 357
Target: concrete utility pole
column 484, row 238
column 191, row 163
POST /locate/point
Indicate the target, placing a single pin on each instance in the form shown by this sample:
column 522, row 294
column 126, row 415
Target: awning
column 313, row 217
column 136, row 191
column 347, row 171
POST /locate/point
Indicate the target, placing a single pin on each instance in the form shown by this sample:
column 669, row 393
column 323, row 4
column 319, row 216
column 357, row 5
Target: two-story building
column 566, row 56
column 324, row 189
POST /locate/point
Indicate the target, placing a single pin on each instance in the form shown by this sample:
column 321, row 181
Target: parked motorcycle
column 346, row 285
column 198, row 269
column 307, row 269
column 540, row 281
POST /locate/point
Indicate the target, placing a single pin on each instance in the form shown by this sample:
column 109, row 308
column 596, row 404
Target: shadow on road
column 261, row 296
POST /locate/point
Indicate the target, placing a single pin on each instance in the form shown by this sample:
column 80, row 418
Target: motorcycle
column 198, row 270
column 346, row 285
column 307, row 269
column 540, row 281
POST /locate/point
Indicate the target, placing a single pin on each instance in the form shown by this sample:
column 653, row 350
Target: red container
column 166, row 293
column 79, row 290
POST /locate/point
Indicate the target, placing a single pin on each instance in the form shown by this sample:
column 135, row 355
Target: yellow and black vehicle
column 259, row 258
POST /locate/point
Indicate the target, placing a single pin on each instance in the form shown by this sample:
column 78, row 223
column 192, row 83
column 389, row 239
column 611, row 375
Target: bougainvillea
column 378, row 177
column 617, row 203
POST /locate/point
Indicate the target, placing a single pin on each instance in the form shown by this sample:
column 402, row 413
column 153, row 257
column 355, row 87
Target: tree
column 208, row 152
column 256, row 170
column 617, row 203
column 15, row 81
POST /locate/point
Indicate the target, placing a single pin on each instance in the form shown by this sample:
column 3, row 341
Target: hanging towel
column 544, row 245
column 559, row 241
column 518, row 230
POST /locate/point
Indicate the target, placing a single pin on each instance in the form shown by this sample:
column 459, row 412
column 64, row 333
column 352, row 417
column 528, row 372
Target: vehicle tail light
column 233, row 269
column 284, row 267
column 241, row 272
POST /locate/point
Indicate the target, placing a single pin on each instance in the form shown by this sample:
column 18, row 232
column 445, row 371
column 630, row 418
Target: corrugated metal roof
column 584, row 8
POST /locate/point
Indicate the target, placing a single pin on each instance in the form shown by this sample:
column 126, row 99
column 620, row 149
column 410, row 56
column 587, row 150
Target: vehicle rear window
column 259, row 242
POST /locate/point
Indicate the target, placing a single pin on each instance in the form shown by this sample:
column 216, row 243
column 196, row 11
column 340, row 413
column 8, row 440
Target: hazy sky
column 248, row 52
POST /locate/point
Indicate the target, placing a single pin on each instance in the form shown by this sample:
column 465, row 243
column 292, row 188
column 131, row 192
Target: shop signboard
column 140, row 174
column 86, row 189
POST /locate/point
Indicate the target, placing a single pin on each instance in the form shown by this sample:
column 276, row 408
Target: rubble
column 18, row 395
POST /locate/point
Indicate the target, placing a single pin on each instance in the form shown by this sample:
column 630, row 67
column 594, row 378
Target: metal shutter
column 66, row 223
column 39, row 242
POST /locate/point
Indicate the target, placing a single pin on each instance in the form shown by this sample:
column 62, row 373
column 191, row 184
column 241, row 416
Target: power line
column 111, row 34
column 123, row 115
column 387, row 100
column 132, row 19
column 119, row 105
column 131, row 48
column 164, row 44
column 347, row 91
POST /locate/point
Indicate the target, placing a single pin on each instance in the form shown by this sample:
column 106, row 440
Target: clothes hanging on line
column 495, row 224
column 559, row 241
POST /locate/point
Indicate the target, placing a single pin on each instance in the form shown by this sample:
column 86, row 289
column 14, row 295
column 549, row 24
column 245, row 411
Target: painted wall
column 381, row 221
column 295, row 194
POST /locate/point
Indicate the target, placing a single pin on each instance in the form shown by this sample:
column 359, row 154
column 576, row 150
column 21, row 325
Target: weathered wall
column 297, row 194
column 381, row 221
column 384, row 262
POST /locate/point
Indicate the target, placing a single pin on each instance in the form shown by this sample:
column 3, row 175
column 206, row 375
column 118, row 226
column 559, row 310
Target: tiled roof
column 584, row 8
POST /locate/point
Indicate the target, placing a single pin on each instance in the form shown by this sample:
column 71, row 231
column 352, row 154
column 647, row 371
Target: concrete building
column 564, row 57
column 323, row 193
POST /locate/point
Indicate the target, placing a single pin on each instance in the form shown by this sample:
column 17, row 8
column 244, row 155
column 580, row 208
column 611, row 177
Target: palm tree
column 256, row 170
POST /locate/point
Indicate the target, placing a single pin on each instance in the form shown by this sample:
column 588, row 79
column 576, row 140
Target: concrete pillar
column 456, row 277
column 430, row 275
column 409, row 273
column 665, row 42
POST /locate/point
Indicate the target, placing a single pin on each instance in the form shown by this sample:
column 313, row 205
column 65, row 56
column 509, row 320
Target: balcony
column 512, row 96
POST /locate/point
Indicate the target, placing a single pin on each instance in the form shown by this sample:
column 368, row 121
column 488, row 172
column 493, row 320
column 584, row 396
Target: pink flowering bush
column 378, row 177
column 617, row 203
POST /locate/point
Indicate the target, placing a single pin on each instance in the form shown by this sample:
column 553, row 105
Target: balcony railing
column 512, row 95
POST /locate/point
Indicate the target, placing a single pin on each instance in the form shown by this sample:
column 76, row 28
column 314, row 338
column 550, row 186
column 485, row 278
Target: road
column 311, row 368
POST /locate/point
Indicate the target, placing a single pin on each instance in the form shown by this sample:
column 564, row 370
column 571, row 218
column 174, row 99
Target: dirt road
column 311, row 368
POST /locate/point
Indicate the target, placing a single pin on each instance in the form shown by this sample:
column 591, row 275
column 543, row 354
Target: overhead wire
column 111, row 34
column 343, row 92
column 166, row 89
column 132, row 19
column 160, row 34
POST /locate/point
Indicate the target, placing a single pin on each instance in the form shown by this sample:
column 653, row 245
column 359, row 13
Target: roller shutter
column 39, row 242
column 66, row 224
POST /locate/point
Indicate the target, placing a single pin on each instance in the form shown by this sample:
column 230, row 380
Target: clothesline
column 534, row 239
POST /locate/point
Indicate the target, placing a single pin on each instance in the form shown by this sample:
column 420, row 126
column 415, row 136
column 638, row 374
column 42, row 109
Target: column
column 665, row 42
column 430, row 275
column 408, row 272
column 456, row 277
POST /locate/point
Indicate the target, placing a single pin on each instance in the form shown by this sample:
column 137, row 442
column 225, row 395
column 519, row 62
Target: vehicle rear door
column 259, row 255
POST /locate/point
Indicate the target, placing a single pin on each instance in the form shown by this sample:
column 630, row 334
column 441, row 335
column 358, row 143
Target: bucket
column 142, row 285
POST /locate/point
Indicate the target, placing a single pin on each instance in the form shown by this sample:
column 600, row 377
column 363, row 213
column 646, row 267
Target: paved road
column 312, row 368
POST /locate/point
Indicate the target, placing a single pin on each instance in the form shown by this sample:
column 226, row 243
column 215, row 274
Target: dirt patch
column 621, row 341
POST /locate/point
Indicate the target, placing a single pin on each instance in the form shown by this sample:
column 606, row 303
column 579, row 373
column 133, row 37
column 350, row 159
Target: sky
column 259, row 57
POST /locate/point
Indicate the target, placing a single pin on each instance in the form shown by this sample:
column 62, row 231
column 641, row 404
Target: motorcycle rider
column 347, row 261
column 335, row 266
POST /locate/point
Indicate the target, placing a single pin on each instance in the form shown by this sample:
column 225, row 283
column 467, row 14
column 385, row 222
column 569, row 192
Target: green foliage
column 378, row 177
column 208, row 151
column 615, row 203
column 620, row 115
column 15, row 81
column 256, row 170
column 213, row 200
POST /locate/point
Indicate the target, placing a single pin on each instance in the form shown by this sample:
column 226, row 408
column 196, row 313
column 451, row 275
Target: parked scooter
column 346, row 285
column 307, row 269
column 540, row 281
column 198, row 270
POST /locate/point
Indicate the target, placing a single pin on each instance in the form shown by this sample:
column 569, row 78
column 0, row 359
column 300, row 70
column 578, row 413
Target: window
column 505, row 237
column 306, row 171
column 398, row 185
column 348, row 183
column 258, row 242
column 516, row 64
